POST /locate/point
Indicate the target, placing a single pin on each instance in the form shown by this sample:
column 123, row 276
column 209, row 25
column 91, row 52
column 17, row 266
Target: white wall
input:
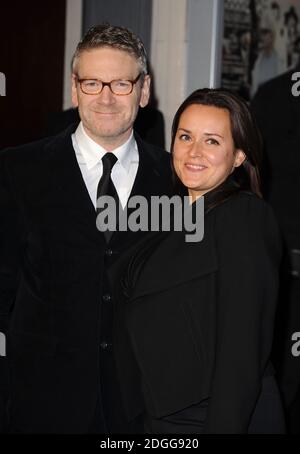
column 168, row 56
column 185, row 50
column 72, row 37
column 204, row 44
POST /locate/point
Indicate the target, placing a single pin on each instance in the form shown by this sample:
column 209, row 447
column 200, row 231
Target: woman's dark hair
column 245, row 134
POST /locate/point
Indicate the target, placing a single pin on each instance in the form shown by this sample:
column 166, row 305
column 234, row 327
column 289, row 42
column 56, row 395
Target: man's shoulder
column 246, row 215
column 242, row 205
column 36, row 148
column 281, row 85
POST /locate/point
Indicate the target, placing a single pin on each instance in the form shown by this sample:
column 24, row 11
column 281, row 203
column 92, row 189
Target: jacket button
column 105, row 345
column 106, row 298
column 109, row 252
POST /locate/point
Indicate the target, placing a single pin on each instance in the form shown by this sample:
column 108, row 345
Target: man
column 277, row 108
column 55, row 300
column 267, row 63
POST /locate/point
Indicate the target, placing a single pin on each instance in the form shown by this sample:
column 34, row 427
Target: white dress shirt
column 89, row 156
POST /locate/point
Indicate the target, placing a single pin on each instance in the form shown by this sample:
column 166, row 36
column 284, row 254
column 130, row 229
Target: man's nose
column 106, row 96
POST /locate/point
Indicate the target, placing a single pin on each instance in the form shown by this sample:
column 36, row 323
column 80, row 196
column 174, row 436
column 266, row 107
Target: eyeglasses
column 117, row 87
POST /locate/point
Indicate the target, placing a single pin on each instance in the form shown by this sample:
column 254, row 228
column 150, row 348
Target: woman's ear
column 239, row 158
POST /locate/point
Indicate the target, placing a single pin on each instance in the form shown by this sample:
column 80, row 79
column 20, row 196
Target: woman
column 198, row 320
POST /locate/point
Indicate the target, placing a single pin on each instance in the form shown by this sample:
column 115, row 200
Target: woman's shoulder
column 244, row 206
column 246, row 217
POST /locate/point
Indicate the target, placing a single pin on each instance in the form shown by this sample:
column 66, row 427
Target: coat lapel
column 167, row 261
column 68, row 186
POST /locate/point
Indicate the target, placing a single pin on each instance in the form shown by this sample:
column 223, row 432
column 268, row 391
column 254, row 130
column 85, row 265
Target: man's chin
column 109, row 135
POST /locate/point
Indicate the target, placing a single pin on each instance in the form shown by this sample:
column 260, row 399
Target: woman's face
column 204, row 153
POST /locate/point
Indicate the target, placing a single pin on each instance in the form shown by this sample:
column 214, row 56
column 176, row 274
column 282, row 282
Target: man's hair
column 107, row 35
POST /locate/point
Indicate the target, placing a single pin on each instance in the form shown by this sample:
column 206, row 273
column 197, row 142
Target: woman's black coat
column 197, row 320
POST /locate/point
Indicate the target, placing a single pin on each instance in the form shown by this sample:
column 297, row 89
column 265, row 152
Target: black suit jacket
column 52, row 264
column 199, row 316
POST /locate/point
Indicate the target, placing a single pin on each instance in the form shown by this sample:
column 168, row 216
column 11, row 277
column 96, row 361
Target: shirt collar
column 92, row 152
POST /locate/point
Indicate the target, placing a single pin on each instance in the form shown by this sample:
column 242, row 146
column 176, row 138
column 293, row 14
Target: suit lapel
column 161, row 262
column 68, row 189
column 69, row 186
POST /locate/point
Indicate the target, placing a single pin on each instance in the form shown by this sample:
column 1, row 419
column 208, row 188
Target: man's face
column 108, row 118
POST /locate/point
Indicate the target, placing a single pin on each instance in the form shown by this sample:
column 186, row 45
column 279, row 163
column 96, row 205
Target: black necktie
column 106, row 186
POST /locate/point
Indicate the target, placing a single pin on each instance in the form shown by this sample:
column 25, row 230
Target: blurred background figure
column 277, row 24
column 278, row 115
column 267, row 64
column 291, row 30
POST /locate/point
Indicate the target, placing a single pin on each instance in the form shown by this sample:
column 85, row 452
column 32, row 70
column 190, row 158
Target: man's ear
column 145, row 94
column 74, row 94
column 239, row 158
